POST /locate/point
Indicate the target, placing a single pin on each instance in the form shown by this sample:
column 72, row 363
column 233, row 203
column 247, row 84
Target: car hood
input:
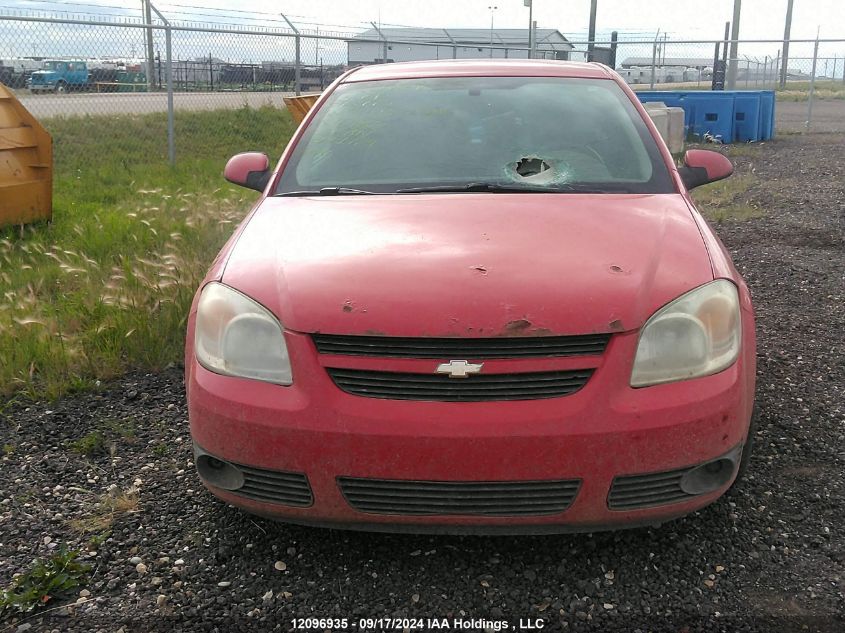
column 44, row 74
column 468, row 264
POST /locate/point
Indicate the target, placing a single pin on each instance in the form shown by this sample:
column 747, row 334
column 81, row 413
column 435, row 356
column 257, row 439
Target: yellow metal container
column 299, row 106
column 26, row 164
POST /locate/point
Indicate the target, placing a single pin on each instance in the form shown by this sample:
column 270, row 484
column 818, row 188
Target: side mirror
column 250, row 170
column 702, row 166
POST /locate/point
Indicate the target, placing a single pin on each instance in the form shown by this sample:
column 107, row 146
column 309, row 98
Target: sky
column 692, row 19
column 634, row 19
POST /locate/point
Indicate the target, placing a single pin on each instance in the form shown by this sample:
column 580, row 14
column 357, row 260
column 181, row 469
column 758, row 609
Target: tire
column 61, row 88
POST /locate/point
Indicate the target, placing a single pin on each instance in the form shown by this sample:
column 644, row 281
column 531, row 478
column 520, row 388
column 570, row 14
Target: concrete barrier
column 669, row 121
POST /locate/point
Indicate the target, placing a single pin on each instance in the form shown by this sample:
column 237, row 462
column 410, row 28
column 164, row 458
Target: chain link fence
column 86, row 67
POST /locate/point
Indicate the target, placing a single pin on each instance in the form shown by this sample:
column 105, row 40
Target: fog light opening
column 709, row 476
column 219, row 473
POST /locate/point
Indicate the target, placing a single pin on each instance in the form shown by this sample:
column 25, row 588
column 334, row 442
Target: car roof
column 478, row 68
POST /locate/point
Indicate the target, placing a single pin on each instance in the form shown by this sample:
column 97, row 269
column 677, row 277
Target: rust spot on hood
column 517, row 327
column 523, row 327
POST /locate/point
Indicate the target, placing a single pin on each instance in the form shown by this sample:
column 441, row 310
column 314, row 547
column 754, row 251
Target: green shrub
column 47, row 579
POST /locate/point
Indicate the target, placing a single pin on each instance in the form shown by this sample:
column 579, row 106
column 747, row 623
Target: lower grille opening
column 645, row 491
column 673, row 486
column 269, row 486
column 290, row 489
column 500, row 498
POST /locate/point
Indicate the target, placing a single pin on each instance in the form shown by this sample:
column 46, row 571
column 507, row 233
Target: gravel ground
column 828, row 116
column 768, row 557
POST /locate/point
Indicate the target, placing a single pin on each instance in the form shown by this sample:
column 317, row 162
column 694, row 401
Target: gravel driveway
column 768, row 557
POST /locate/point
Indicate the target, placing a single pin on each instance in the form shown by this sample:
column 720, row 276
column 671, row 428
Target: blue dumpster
column 712, row 114
column 731, row 115
column 767, row 114
column 747, row 125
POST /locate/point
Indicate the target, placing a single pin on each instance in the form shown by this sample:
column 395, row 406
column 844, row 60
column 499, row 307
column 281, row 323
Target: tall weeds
column 108, row 284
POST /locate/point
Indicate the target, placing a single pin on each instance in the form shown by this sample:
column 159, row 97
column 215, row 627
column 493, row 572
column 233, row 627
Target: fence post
column 384, row 39
column 296, row 78
column 168, row 51
column 654, row 58
column 812, row 84
column 171, row 131
column 454, row 44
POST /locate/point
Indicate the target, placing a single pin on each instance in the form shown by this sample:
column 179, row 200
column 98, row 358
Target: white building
column 414, row 44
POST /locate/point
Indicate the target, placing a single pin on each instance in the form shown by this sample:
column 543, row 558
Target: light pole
column 730, row 82
column 591, row 37
column 492, row 13
column 530, row 5
column 148, row 44
column 785, row 61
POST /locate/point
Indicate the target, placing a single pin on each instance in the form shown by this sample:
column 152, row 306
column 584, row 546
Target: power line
column 220, row 13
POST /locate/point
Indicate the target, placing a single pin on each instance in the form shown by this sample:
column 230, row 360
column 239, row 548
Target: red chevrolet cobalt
column 473, row 296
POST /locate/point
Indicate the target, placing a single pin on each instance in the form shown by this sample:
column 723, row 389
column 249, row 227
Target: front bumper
column 605, row 431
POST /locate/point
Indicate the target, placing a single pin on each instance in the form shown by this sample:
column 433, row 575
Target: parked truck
column 15, row 71
column 60, row 76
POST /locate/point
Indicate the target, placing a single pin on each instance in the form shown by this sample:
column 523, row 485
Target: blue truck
column 59, row 76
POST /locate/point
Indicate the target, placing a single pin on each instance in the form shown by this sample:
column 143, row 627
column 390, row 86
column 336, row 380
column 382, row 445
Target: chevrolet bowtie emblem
column 459, row 368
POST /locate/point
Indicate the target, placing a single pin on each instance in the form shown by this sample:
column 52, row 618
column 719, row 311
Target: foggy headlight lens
column 236, row 336
column 697, row 334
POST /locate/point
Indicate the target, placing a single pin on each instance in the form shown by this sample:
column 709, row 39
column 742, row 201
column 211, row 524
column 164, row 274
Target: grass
column 89, row 445
column 825, row 89
column 107, row 285
column 725, row 201
column 108, row 508
column 800, row 90
column 103, row 439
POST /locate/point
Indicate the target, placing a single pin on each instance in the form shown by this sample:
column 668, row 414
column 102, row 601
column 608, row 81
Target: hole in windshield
column 531, row 166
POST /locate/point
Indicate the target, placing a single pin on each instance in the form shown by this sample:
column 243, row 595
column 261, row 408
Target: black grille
column 465, row 348
column 476, row 388
column 645, row 491
column 290, row 489
column 499, row 498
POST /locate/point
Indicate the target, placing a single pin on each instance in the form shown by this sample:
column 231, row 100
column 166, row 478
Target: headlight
column 698, row 334
column 236, row 336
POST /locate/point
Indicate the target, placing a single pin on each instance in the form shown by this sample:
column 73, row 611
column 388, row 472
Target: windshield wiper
column 492, row 187
column 328, row 191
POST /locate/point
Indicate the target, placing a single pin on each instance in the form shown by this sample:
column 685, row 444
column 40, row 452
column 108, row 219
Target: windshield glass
column 51, row 65
column 549, row 132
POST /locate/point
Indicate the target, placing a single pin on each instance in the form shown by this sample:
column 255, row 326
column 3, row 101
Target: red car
column 473, row 296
